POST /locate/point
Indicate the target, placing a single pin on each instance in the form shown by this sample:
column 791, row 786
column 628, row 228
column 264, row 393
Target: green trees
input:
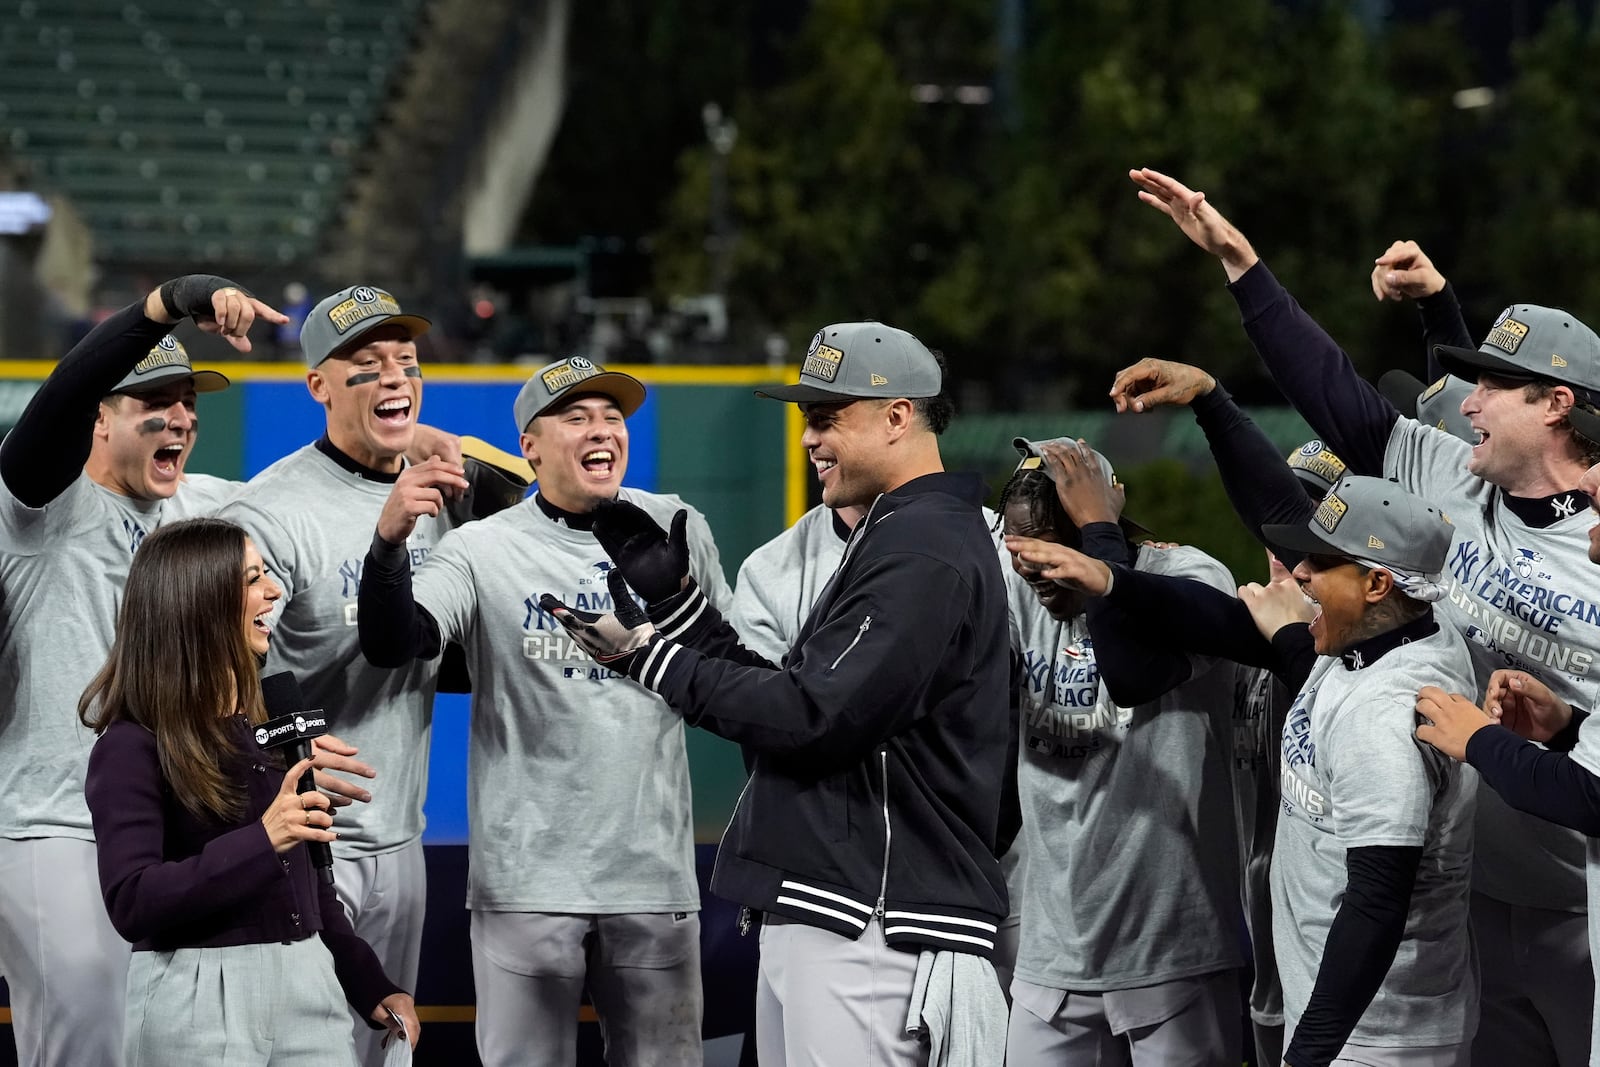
column 1015, row 241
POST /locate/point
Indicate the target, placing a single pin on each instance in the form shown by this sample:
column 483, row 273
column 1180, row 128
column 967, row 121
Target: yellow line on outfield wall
column 649, row 373
column 796, row 469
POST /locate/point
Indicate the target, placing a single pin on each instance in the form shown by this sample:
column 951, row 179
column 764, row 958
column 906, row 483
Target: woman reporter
column 198, row 831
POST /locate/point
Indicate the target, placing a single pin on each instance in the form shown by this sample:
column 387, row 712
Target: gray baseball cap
column 862, row 361
column 1437, row 405
column 167, row 361
column 1316, row 466
column 1530, row 342
column 1371, row 519
column 338, row 321
column 1032, row 454
column 556, row 383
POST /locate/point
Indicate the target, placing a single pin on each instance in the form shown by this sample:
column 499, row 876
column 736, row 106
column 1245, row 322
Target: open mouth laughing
column 394, row 412
column 599, row 462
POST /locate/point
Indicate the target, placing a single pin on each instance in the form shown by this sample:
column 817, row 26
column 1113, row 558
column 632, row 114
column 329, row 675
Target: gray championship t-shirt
column 578, row 780
column 312, row 520
column 1523, row 597
column 780, row 581
column 1132, row 870
column 63, row 567
column 1353, row 776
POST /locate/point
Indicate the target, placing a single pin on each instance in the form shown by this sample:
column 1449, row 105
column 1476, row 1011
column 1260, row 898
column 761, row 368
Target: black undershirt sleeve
column 1134, row 670
column 1548, row 784
column 392, row 629
column 1258, row 481
column 1359, row 950
column 1194, row 617
column 47, row 448
column 1442, row 324
column 1314, row 373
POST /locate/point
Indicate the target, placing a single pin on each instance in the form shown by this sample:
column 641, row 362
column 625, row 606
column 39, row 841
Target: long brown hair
column 180, row 662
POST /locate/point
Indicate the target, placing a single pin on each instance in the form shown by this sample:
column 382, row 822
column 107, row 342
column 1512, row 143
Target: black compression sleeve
column 1258, row 481
column 1135, row 671
column 1359, row 950
column 392, row 629
column 1296, row 653
column 47, row 448
column 1314, row 373
column 1442, row 324
column 1567, row 739
column 1547, row 784
column 1191, row 616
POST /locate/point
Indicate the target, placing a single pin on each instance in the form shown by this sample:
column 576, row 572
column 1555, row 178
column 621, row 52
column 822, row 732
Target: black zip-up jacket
column 878, row 749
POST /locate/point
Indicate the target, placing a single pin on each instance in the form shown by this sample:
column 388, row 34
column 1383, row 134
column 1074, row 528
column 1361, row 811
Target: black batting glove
column 612, row 638
column 654, row 561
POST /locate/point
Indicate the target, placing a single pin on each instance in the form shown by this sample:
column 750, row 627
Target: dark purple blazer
column 171, row 880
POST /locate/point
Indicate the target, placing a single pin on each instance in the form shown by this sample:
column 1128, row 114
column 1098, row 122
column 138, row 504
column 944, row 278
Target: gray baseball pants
column 385, row 898
column 642, row 971
column 1191, row 1022
column 66, row 966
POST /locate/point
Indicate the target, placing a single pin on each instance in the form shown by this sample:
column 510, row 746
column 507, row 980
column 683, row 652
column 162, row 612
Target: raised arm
column 1259, row 484
column 1310, row 368
column 49, row 445
column 1404, row 272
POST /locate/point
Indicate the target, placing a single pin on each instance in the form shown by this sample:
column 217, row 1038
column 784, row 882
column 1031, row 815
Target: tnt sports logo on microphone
column 262, row 737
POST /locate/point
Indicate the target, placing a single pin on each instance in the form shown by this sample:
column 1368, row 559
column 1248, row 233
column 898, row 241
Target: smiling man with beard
column 582, row 843
column 311, row 515
column 95, row 463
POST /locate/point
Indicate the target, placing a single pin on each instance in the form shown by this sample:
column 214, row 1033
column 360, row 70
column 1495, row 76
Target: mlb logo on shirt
column 572, row 672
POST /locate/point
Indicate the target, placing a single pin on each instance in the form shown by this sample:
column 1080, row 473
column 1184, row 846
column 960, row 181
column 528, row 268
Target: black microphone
column 291, row 728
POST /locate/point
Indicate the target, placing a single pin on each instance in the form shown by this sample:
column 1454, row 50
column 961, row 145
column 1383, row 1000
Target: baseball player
column 1124, row 785
column 777, row 586
column 311, row 514
column 1369, row 871
column 582, row 846
column 95, row 462
column 866, row 832
column 1518, row 567
column 1261, row 706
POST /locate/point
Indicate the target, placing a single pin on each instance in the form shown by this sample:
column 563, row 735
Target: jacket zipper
column 866, row 622
column 744, row 911
column 883, row 884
